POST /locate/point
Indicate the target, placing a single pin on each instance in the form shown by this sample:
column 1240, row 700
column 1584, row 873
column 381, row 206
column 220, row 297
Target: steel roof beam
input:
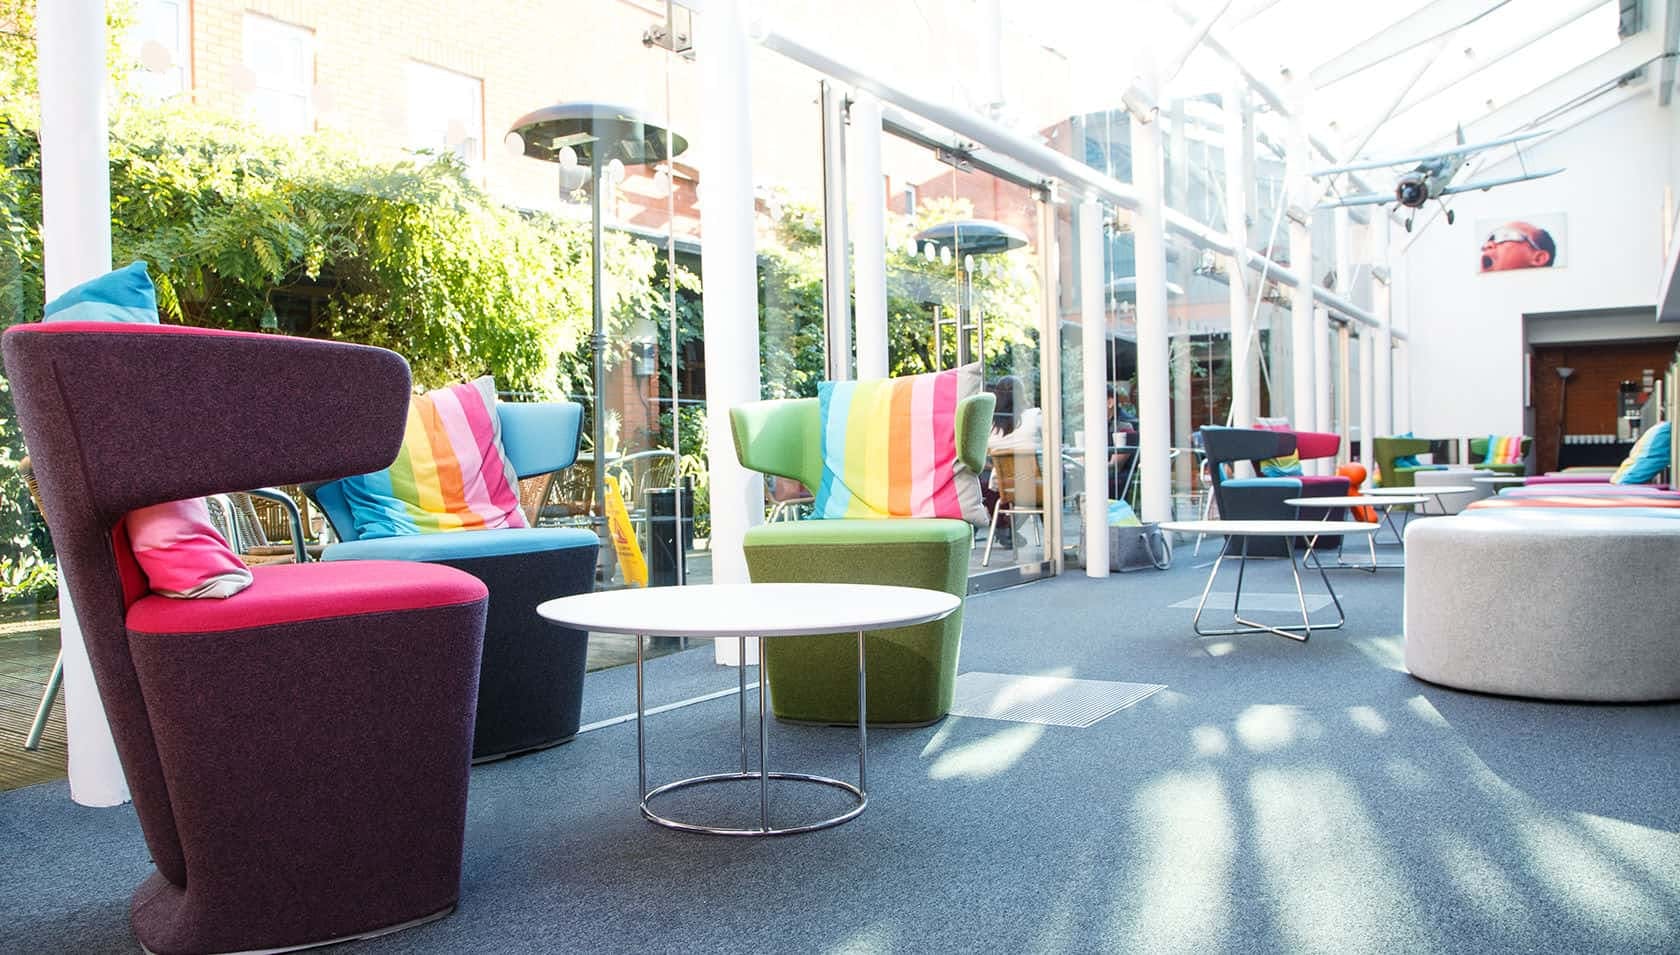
column 1438, row 19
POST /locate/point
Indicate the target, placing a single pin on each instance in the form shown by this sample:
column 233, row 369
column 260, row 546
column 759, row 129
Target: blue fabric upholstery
column 539, row 438
column 1288, row 482
column 125, row 295
column 465, row 545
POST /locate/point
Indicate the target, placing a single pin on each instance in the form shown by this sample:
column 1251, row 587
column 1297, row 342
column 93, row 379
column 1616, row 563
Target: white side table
column 1246, row 529
column 741, row 611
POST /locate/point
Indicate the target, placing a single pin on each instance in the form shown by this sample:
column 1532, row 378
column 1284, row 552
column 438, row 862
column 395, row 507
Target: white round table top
column 1356, row 500
column 708, row 611
column 1269, row 528
column 1415, row 491
column 1500, row 479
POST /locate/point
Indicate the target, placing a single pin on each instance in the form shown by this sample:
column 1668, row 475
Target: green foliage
column 27, row 581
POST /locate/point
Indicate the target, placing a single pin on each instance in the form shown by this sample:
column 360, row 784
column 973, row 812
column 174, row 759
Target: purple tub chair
column 297, row 752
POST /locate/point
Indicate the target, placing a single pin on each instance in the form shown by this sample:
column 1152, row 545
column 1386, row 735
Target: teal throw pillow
column 1407, row 460
column 126, row 295
column 1647, row 459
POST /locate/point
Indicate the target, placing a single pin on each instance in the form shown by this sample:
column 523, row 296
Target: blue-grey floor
column 1277, row 797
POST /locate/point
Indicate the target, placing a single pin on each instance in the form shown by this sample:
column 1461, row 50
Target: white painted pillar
column 1182, row 343
column 1148, row 224
column 730, row 286
column 1381, row 306
column 1093, row 338
column 76, row 240
column 1343, row 383
column 1402, row 386
column 868, row 189
column 1243, row 364
column 1367, row 398
column 1321, row 347
column 1303, row 340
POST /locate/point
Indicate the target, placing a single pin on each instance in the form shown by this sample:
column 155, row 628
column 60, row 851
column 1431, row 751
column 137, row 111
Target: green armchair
column 1479, row 453
column 912, row 670
column 1385, row 450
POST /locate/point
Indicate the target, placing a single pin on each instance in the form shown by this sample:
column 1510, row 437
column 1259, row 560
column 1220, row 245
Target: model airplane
column 1432, row 177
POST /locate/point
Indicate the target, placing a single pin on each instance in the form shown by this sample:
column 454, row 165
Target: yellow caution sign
column 630, row 559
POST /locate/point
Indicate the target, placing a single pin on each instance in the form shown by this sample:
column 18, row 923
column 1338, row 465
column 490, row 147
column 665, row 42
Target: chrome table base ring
column 1302, row 632
column 763, row 775
column 861, row 799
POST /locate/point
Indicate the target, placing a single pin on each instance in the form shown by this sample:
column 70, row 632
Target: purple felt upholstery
column 295, row 781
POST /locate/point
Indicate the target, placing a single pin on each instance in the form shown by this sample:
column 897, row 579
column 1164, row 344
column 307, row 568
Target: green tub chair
column 1479, row 453
column 911, row 670
column 1386, row 450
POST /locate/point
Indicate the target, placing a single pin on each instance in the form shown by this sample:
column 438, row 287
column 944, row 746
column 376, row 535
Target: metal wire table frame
column 858, row 792
column 1230, row 529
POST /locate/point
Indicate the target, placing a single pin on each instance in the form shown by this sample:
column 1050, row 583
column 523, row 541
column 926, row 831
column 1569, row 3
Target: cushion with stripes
column 889, row 448
column 451, row 474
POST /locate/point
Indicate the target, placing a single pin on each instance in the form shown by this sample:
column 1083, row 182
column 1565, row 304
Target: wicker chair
column 559, row 498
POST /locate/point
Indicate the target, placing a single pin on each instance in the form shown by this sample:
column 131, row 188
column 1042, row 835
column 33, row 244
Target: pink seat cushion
column 294, row 593
column 1568, row 478
column 1321, row 481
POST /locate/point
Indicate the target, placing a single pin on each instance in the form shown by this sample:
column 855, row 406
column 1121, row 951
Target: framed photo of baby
column 1528, row 242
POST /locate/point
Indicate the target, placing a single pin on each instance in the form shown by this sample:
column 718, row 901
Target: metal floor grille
column 1047, row 700
column 1256, row 600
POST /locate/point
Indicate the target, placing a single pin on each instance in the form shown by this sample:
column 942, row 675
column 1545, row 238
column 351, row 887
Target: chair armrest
column 780, row 437
column 974, row 428
column 541, row 437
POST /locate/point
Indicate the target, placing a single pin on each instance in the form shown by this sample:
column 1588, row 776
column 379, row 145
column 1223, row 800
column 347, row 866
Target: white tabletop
column 1270, row 528
column 1426, row 490
column 1500, row 479
column 1357, row 500
column 749, row 610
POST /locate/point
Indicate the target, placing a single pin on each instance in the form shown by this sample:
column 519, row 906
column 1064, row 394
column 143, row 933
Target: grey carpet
column 1278, row 797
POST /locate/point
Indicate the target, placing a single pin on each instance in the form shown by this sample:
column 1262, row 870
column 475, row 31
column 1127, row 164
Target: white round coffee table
column 1500, row 480
column 1385, row 503
column 1246, row 529
column 738, row 612
column 1435, row 492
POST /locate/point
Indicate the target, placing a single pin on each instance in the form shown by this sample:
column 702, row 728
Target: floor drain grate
column 1048, row 700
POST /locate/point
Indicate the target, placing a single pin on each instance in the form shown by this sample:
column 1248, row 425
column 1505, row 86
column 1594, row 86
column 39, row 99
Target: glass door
column 967, row 256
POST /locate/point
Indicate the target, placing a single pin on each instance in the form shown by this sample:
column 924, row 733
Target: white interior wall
column 1467, row 328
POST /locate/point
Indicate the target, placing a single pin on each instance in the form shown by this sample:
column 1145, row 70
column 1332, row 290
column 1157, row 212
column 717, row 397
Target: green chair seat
column 911, row 670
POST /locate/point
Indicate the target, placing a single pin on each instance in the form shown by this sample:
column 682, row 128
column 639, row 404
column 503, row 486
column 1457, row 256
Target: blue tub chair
column 530, row 692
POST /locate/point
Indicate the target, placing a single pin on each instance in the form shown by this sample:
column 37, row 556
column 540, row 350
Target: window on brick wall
column 281, row 58
column 446, row 112
column 161, row 41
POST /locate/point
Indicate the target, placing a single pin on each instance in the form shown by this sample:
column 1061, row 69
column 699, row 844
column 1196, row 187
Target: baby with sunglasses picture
column 1518, row 245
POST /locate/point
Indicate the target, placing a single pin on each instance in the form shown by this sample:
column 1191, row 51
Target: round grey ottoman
column 1452, row 477
column 1555, row 603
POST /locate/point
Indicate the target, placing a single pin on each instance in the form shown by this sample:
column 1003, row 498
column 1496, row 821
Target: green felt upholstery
column 911, row 670
column 1479, row 452
column 1385, row 450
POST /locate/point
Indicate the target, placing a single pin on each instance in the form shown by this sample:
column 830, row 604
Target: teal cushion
column 1263, row 482
column 126, row 295
column 462, row 545
column 1647, row 459
column 1406, row 460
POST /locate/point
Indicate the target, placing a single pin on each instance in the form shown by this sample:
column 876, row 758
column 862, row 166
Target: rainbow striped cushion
column 1504, row 449
column 451, row 474
column 889, row 448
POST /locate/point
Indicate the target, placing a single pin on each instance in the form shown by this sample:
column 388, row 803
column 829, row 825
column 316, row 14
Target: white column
column 1093, row 338
column 1154, row 418
column 868, row 188
column 1402, row 387
column 1343, row 397
column 1367, row 398
column 1381, row 306
column 76, row 240
column 1236, row 224
column 1303, row 342
column 730, row 286
column 1321, row 346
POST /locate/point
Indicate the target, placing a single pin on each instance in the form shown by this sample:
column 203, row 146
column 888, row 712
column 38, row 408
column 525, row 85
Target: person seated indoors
column 1017, row 426
column 1122, row 429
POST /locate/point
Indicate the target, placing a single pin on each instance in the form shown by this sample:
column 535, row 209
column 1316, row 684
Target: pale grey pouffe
column 1554, row 603
column 1458, row 476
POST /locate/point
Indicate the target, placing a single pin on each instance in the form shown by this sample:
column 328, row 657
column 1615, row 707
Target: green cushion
column 911, row 670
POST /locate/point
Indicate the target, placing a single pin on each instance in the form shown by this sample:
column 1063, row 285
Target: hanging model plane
column 1432, row 177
